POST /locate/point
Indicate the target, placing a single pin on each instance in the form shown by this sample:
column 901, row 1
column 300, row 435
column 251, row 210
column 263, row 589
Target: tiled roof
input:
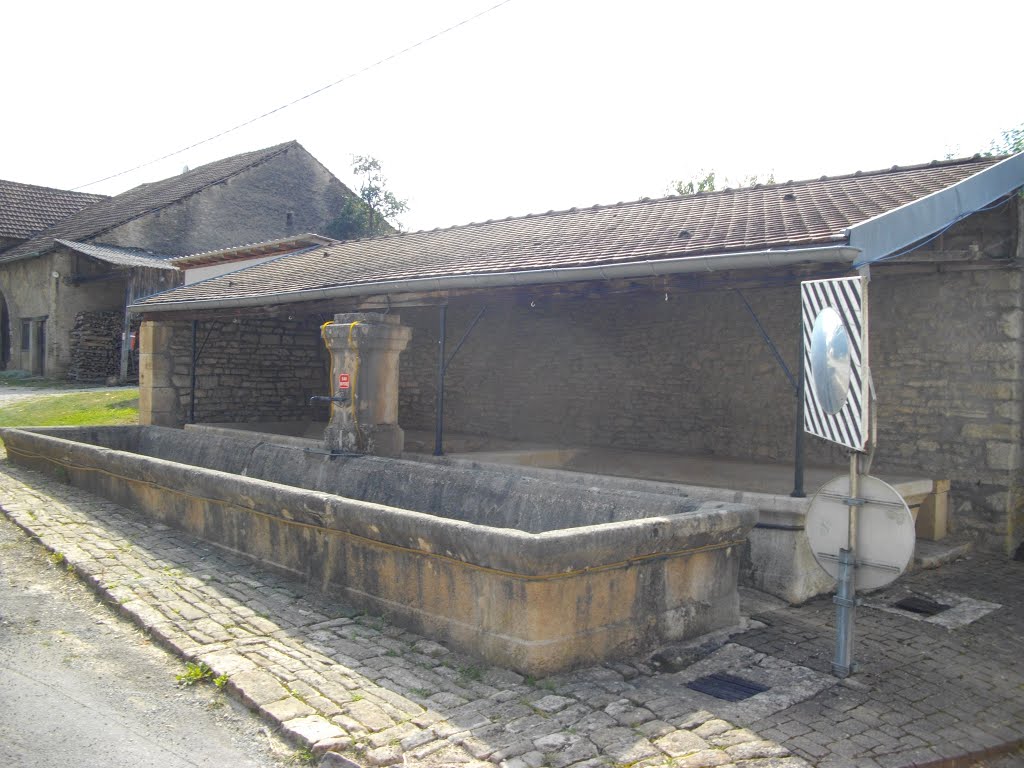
column 119, row 256
column 25, row 208
column 115, row 211
column 779, row 216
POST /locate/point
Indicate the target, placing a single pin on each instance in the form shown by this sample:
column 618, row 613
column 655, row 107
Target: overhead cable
column 339, row 81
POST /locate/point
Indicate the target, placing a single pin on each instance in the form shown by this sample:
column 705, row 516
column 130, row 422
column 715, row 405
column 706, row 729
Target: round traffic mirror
column 830, row 360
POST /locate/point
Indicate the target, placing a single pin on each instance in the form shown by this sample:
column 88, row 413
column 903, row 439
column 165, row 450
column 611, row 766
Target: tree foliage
column 706, row 181
column 1009, row 143
column 374, row 212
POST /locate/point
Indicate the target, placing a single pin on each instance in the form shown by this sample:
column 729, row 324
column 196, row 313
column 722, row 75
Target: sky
column 533, row 105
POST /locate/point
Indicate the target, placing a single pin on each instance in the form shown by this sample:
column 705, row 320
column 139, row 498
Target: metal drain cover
column 727, row 687
column 921, row 605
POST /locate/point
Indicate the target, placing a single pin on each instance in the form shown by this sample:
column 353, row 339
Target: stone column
column 159, row 401
column 364, row 351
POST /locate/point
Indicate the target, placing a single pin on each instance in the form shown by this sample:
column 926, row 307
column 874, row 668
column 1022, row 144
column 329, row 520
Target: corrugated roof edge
column 883, row 235
column 216, row 254
column 274, row 257
column 144, row 256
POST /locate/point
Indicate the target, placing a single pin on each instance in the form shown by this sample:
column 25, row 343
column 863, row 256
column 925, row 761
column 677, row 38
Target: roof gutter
column 893, row 230
column 765, row 259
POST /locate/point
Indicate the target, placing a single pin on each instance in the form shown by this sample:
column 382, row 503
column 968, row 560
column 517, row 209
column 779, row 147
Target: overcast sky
column 535, row 105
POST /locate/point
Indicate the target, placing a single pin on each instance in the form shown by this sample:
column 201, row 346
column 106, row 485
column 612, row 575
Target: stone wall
column 947, row 365
column 252, row 370
column 289, row 194
column 688, row 375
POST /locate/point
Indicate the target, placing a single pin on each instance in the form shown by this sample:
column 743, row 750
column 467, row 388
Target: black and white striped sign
column 835, row 333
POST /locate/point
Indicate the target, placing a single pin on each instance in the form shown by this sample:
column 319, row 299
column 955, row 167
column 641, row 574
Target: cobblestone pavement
column 371, row 694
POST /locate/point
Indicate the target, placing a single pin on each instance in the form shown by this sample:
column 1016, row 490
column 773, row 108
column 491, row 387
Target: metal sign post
column 837, row 408
column 846, row 594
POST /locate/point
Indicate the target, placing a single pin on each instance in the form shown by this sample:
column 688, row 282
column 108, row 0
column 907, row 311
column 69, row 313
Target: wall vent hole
column 727, row 687
column 921, row 605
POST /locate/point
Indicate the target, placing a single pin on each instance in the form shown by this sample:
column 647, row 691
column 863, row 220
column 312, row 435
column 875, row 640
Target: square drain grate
column 727, row 687
column 921, row 605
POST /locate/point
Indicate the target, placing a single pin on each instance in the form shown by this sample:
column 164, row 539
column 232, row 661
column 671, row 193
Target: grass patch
column 79, row 409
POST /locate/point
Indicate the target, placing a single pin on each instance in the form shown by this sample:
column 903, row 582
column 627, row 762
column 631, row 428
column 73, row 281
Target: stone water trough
column 526, row 572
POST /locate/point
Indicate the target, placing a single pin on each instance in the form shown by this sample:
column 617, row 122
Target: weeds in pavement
column 194, row 673
column 303, row 756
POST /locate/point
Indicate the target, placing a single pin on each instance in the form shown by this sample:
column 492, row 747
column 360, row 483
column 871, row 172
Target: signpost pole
column 846, row 595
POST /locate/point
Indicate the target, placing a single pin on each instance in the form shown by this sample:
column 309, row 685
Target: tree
column 705, row 182
column 373, row 212
column 1010, row 143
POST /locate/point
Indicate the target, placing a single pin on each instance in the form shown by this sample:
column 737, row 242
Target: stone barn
column 657, row 339
column 25, row 209
column 95, row 260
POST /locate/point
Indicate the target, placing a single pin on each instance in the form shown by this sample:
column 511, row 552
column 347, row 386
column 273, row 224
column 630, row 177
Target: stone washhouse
column 643, row 350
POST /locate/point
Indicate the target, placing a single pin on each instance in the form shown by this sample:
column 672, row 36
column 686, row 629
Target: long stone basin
column 527, row 572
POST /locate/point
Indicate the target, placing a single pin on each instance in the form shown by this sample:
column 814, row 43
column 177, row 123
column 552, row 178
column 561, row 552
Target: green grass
column 80, row 409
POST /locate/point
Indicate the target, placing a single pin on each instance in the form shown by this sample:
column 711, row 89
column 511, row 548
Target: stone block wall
column 288, row 194
column 252, row 370
column 689, row 375
column 947, row 363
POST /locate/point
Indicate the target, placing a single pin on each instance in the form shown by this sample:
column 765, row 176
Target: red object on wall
column 343, row 381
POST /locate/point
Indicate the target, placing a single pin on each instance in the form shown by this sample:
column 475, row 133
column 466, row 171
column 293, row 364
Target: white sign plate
column 885, row 530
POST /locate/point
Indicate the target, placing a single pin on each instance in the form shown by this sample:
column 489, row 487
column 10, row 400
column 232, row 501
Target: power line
column 349, row 76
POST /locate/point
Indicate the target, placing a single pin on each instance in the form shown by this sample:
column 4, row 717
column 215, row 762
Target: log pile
column 96, row 346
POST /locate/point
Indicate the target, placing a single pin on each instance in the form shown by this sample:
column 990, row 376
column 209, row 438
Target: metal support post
column 442, row 369
column 439, row 398
column 846, row 591
column 192, row 372
column 798, row 447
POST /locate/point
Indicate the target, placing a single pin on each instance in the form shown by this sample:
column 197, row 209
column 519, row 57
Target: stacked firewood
column 96, row 346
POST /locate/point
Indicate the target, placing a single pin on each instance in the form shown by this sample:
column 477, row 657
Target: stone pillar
column 365, row 349
column 158, row 398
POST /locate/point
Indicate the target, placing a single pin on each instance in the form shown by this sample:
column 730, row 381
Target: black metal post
column 439, row 399
column 798, row 448
column 192, row 390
